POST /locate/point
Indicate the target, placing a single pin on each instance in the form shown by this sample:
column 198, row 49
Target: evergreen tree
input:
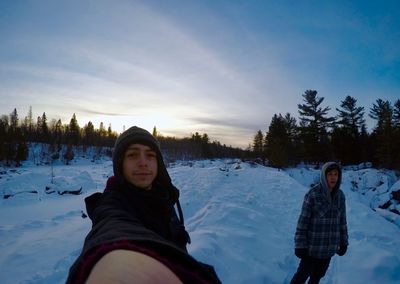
column 27, row 127
column 13, row 131
column 367, row 152
column 45, row 133
column 205, row 139
column 111, row 137
column 195, row 146
column 346, row 133
column 396, row 138
column 396, row 115
column 57, row 132
column 205, row 146
column 292, row 130
column 382, row 111
column 29, row 121
column 196, row 137
column 155, row 133
column 74, row 131
column 14, row 120
column 102, row 132
column 88, row 134
column 258, row 145
column 3, row 139
column 313, row 127
column 13, row 136
column 351, row 116
column 277, row 142
column 280, row 141
column 38, row 132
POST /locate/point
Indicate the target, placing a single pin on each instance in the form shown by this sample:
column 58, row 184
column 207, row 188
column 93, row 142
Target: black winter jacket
column 124, row 217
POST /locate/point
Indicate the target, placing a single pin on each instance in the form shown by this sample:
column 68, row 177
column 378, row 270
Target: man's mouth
column 142, row 174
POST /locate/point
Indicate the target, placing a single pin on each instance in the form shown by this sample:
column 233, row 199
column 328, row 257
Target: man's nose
column 142, row 159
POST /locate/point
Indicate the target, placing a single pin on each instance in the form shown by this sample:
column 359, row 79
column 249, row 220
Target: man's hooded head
column 137, row 135
column 326, row 168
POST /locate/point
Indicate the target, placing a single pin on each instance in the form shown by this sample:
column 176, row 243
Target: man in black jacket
column 136, row 234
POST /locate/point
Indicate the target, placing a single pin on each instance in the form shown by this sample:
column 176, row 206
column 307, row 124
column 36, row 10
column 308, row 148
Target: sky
column 218, row 67
column 241, row 219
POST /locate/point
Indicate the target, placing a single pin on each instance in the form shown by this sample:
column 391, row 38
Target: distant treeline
column 198, row 146
column 318, row 137
column 16, row 133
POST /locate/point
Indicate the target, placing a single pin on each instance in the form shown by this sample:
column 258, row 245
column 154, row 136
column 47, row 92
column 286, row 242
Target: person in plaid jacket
column 322, row 227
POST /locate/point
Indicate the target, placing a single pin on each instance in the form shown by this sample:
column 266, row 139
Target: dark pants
column 315, row 268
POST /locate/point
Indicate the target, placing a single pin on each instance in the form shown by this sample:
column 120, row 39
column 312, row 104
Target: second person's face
column 332, row 178
column 140, row 166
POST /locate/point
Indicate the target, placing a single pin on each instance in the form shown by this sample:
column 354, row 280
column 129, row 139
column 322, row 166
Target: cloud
column 221, row 69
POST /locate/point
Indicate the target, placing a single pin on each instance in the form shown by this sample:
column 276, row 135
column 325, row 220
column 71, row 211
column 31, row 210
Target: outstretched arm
column 123, row 266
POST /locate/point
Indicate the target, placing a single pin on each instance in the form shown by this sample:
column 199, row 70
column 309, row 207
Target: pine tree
column 30, row 120
column 14, row 120
column 14, row 131
column 57, row 132
column 280, row 141
column 89, row 133
column 28, row 126
column 292, row 131
column 382, row 111
column 396, row 115
column 155, row 133
column 38, row 132
column 74, row 131
column 3, row 139
column 258, row 145
column 367, row 151
column 196, row 137
column 13, row 138
column 350, row 116
column 313, row 127
column 346, row 133
column 45, row 133
column 396, row 134
column 205, row 146
column 277, row 142
column 111, row 137
column 102, row 131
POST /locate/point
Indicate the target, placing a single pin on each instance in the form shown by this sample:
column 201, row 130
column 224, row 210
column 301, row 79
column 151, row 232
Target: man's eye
column 151, row 155
column 131, row 154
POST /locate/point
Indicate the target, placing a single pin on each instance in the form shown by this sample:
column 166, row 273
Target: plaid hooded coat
column 322, row 225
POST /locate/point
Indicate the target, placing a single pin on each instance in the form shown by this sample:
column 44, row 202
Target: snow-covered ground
column 241, row 219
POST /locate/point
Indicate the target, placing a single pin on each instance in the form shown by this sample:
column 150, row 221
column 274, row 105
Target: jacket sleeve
column 343, row 222
column 113, row 220
column 301, row 240
column 113, row 227
column 107, row 206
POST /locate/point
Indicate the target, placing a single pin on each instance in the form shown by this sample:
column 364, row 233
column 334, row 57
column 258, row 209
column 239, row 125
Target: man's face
column 139, row 165
column 332, row 178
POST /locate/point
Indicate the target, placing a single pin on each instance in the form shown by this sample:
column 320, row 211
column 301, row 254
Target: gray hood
column 328, row 166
